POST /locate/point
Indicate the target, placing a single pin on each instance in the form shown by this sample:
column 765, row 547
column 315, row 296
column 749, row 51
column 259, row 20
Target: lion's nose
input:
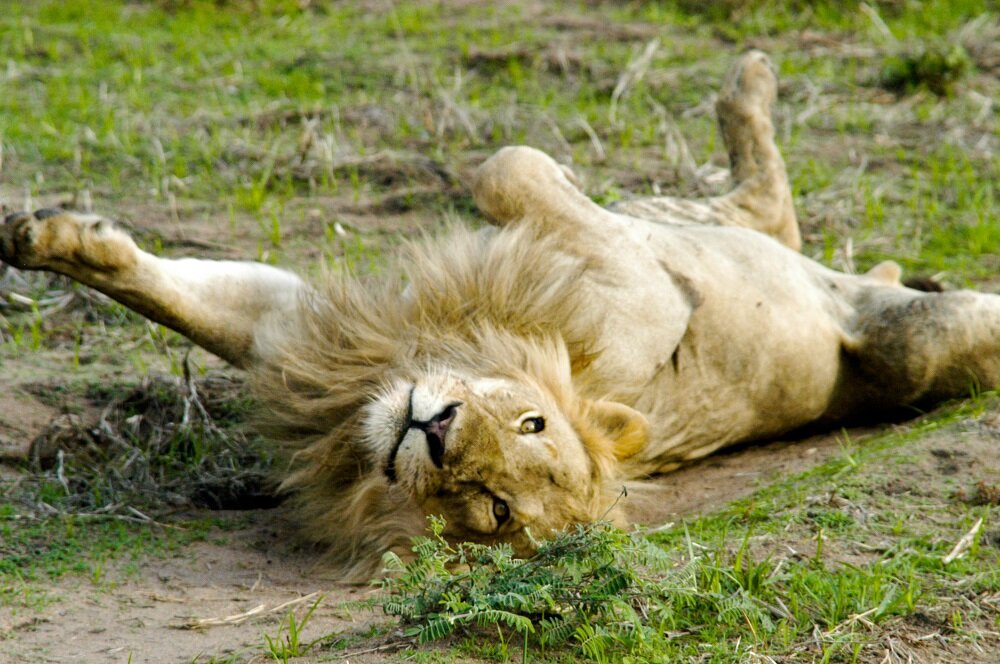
column 435, row 430
column 439, row 423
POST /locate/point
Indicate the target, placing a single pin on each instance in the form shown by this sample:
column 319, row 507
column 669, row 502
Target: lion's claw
column 14, row 216
column 10, row 233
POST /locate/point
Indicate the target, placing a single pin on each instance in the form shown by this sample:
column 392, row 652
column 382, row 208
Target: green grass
column 324, row 135
column 254, row 107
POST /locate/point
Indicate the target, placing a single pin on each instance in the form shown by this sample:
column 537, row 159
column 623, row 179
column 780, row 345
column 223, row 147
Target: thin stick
column 964, row 544
column 238, row 618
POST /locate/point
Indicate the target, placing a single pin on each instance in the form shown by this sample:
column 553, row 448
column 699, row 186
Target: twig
column 857, row 617
column 235, row 619
column 139, row 514
column 964, row 544
column 238, row 618
column 382, row 648
column 192, row 400
column 293, row 602
column 61, row 471
column 125, row 517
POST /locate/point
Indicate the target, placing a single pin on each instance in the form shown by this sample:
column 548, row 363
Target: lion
column 511, row 379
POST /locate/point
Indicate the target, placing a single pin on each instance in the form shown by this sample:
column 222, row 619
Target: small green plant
column 593, row 586
column 36, row 327
column 935, row 68
column 290, row 644
column 274, row 231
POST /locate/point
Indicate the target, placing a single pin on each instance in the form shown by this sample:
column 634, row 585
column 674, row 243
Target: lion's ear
column 626, row 428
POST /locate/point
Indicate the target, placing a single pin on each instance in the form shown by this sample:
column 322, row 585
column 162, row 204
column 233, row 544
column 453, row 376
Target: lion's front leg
column 220, row 305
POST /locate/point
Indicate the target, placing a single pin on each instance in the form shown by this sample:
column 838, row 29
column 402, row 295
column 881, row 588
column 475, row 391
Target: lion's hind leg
column 220, row 305
column 912, row 347
column 761, row 190
column 761, row 197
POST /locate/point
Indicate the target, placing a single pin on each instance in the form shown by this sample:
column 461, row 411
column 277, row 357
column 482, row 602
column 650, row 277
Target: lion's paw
column 19, row 239
column 45, row 239
column 750, row 85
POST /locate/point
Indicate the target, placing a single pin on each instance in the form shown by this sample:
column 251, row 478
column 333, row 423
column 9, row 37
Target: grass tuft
column 937, row 68
column 605, row 595
column 161, row 445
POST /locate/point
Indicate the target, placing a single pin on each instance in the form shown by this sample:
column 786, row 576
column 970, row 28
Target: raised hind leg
column 220, row 305
column 761, row 197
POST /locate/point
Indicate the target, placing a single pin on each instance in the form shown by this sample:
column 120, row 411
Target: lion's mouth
column 435, row 430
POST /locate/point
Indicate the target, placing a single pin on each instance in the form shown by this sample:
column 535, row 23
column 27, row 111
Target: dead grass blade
column 258, row 611
column 634, row 71
column 162, row 444
column 600, row 155
column 964, row 544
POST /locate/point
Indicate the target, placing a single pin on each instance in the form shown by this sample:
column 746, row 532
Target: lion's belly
column 730, row 381
column 749, row 343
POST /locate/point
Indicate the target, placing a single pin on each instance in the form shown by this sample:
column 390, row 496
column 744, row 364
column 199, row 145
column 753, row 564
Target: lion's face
column 498, row 456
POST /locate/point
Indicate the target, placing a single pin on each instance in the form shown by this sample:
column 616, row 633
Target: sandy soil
column 155, row 611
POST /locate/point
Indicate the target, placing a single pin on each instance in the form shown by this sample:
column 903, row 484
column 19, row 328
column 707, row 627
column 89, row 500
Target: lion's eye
column 501, row 511
column 533, row 425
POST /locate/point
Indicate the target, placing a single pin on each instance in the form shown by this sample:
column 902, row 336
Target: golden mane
column 460, row 303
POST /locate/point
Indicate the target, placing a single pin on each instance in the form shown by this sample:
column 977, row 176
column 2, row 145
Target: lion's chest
column 638, row 315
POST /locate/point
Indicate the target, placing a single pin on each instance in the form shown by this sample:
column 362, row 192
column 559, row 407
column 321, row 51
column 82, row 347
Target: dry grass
column 157, row 447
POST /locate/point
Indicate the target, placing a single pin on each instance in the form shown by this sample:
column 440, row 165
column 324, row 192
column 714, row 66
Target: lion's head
column 451, row 389
column 501, row 455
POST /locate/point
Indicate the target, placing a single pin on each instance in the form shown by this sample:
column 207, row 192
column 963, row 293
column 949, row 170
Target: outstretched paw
column 19, row 239
column 53, row 239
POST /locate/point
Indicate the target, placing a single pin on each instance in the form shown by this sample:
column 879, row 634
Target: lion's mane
column 457, row 303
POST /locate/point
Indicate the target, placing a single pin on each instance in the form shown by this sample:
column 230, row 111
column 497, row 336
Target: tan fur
column 512, row 379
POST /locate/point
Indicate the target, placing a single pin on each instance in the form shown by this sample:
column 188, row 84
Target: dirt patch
column 161, row 609
column 710, row 483
column 22, row 418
